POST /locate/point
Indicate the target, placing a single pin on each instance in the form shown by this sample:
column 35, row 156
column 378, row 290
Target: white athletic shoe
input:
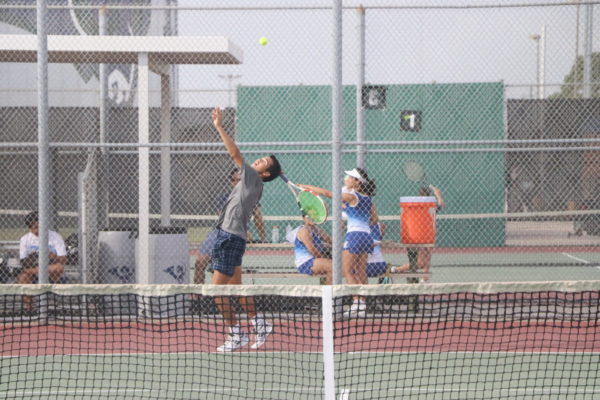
column 262, row 333
column 233, row 343
column 356, row 310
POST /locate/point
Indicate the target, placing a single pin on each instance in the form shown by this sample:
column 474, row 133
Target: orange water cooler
column 417, row 219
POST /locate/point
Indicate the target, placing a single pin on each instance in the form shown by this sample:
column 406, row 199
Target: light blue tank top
column 359, row 215
column 301, row 252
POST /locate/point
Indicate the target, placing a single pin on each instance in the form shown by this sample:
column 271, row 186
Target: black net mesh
column 527, row 341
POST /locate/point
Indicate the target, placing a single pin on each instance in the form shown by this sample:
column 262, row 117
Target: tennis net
column 450, row 341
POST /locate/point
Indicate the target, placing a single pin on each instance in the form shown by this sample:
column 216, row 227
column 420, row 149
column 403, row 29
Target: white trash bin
column 116, row 256
column 169, row 264
column 116, row 265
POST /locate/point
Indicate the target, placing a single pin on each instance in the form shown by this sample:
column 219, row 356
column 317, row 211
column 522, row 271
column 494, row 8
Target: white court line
column 502, row 353
column 283, row 353
column 23, row 393
column 344, row 394
column 461, row 389
column 579, row 259
column 575, row 258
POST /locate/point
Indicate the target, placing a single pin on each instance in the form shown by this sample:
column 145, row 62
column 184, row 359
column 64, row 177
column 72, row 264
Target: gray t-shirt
column 238, row 207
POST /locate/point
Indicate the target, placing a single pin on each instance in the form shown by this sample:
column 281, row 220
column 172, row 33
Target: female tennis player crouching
column 312, row 249
column 358, row 206
column 230, row 243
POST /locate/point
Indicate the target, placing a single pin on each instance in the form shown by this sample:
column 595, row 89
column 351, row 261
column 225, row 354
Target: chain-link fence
column 497, row 105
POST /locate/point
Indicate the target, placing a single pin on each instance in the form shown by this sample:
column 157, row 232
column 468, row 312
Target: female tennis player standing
column 230, row 242
column 358, row 206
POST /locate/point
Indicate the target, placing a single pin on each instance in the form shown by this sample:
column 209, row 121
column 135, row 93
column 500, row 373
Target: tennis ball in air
column 263, row 41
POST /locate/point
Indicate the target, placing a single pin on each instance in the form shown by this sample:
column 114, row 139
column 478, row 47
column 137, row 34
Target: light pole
column 540, row 40
column 535, row 37
column 230, row 78
column 576, row 77
column 587, row 51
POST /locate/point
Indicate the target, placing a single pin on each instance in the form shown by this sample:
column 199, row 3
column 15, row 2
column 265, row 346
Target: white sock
column 359, row 302
column 258, row 320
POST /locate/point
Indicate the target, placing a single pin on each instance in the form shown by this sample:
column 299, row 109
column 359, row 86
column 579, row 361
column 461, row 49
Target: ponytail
column 368, row 187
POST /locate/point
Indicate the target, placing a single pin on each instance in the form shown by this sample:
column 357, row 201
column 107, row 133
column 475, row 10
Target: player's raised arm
column 317, row 190
column 347, row 197
column 232, row 149
column 438, row 196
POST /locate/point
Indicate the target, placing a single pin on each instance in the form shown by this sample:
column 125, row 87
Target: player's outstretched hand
column 217, row 117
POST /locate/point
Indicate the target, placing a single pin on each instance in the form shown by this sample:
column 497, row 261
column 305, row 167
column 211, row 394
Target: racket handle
column 285, row 179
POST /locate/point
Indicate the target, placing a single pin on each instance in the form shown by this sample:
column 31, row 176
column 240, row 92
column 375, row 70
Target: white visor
column 355, row 174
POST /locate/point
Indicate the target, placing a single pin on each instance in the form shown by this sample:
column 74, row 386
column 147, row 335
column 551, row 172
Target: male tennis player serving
column 230, row 243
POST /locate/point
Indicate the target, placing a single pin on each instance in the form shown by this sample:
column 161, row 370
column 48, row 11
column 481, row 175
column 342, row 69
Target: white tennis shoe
column 356, row 310
column 262, row 333
column 233, row 342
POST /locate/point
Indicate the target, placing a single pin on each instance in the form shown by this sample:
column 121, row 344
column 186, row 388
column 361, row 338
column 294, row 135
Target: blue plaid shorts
column 208, row 244
column 227, row 252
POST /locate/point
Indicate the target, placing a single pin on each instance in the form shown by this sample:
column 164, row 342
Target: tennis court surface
column 503, row 264
column 436, row 341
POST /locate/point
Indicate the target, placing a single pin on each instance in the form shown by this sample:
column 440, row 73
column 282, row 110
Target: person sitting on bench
column 312, row 250
column 28, row 253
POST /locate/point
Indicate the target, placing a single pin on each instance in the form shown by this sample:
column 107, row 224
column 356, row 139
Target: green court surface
column 467, row 266
column 469, row 375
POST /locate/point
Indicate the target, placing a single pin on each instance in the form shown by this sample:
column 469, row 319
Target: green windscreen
column 472, row 182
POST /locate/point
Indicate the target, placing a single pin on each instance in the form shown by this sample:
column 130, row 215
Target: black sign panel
column 410, row 121
column 373, row 97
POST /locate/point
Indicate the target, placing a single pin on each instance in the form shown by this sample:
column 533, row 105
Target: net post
column 328, row 359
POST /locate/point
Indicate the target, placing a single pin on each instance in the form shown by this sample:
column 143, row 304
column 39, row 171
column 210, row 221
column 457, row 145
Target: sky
column 406, row 42
column 403, row 45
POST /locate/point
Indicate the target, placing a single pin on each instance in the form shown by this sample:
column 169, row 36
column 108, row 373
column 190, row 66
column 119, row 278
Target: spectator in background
column 28, row 254
column 204, row 259
column 424, row 254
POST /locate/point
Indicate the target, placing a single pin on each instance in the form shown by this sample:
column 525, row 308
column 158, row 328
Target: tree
column 573, row 84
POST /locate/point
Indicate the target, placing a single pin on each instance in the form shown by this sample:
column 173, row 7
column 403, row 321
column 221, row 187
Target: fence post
column 336, row 159
column 43, row 147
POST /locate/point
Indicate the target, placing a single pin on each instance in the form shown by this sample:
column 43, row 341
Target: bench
column 411, row 276
column 255, row 272
column 10, row 250
column 73, row 273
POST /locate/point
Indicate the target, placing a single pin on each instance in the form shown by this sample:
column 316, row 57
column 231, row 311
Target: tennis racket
column 415, row 172
column 309, row 203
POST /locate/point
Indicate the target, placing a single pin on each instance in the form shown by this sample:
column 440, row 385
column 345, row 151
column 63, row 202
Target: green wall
column 472, row 182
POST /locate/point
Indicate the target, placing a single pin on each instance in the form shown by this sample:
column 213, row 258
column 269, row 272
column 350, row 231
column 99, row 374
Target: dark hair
column 31, row 218
column 274, row 170
column 368, row 187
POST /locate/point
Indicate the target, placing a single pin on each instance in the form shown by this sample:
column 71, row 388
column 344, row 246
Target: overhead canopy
column 122, row 49
column 153, row 53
